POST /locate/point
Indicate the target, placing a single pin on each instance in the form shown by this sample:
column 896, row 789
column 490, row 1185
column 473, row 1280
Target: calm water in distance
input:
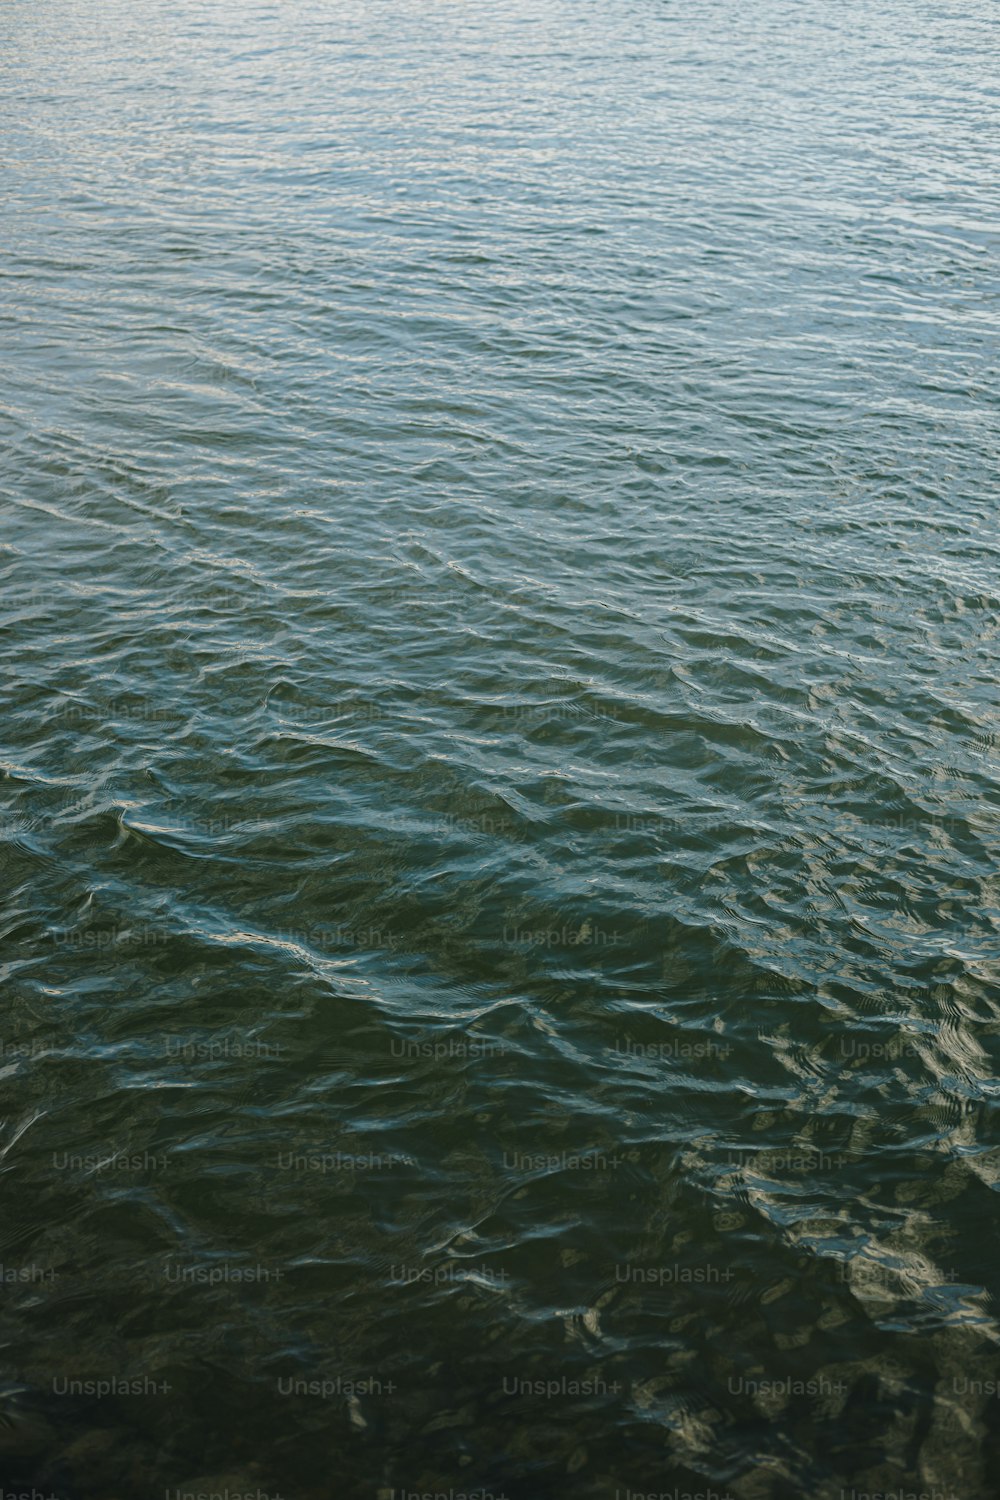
column 498, row 817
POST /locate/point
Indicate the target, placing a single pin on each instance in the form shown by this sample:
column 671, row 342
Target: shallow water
column 499, row 816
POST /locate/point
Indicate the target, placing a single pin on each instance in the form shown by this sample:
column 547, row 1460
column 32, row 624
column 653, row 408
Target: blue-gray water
column 499, row 803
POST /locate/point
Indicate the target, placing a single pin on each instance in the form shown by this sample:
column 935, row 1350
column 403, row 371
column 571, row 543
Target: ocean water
column 500, row 606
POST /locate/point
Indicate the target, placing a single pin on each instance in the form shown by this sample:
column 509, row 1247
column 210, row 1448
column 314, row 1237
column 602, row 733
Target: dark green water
column 499, row 804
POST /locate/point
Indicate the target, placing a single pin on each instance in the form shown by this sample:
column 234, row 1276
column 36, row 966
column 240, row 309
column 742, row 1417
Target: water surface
column 499, row 802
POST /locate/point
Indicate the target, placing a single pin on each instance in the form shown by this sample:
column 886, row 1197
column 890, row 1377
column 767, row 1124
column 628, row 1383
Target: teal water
column 500, row 602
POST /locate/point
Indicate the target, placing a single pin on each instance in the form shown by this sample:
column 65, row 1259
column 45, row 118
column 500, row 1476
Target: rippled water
column 499, row 817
